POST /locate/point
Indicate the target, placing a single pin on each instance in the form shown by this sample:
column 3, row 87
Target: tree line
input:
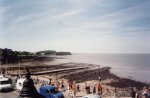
column 10, row 56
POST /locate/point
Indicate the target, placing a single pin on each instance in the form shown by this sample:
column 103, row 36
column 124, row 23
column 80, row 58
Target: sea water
column 133, row 66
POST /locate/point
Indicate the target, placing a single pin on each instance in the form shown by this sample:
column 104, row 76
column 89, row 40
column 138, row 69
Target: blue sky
column 85, row 26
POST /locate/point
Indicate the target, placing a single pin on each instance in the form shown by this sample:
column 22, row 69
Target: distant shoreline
column 8, row 56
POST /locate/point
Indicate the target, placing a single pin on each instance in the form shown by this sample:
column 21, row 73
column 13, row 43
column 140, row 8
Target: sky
column 78, row 26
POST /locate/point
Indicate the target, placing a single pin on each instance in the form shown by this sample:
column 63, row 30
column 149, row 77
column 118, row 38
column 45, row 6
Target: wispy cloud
column 105, row 25
column 68, row 14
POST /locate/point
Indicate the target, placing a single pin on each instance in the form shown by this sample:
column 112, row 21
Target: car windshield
column 5, row 82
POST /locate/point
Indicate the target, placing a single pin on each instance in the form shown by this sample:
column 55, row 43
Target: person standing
column 138, row 95
column 50, row 81
column 133, row 93
column 94, row 89
column 86, row 88
column 149, row 92
column 78, row 88
column 115, row 92
column 146, row 92
column 62, row 84
column 99, row 89
column 74, row 90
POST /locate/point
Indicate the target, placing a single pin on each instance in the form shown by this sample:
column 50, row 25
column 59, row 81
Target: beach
column 80, row 73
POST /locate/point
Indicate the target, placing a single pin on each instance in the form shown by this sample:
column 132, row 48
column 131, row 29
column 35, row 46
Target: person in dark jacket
column 133, row 94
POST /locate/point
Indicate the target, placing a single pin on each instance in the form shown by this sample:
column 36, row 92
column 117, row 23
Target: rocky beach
column 79, row 72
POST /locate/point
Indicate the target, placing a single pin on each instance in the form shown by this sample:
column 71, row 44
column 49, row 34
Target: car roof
column 92, row 96
column 1, row 76
column 47, row 87
column 4, row 79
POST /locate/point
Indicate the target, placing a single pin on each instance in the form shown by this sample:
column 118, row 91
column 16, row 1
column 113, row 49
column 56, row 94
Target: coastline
column 89, row 72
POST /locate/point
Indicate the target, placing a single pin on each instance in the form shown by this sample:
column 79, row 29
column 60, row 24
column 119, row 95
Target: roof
column 47, row 87
column 4, row 79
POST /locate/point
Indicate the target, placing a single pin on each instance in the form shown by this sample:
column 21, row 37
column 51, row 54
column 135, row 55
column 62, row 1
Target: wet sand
column 113, row 80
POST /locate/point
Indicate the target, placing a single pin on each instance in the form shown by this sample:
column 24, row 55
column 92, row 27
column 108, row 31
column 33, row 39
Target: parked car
column 49, row 91
column 5, row 83
column 92, row 96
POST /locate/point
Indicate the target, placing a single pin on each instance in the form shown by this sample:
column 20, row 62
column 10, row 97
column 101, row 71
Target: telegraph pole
column 99, row 78
column 19, row 65
column 1, row 64
column 6, row 65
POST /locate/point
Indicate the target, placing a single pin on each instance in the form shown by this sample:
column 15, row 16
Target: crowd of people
column 96, row 88
column 72, row 88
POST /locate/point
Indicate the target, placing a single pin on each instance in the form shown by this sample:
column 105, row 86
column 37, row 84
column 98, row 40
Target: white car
column 5, row 83
column 92, row 96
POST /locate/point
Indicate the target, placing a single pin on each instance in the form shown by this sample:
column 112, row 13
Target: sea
column 133, row 66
